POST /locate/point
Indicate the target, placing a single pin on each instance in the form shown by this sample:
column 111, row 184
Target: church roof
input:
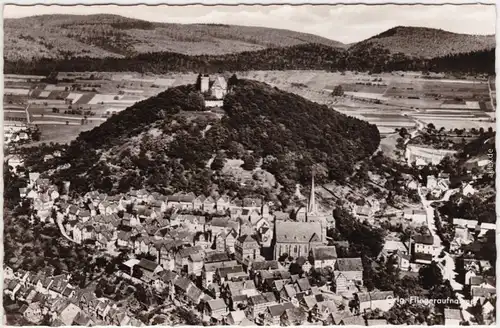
column 297, row 232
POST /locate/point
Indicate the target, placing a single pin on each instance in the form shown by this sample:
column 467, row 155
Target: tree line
column 312, row 56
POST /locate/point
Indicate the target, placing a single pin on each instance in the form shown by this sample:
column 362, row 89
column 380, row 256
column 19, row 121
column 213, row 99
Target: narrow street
column 447, row 263
column 63, row 231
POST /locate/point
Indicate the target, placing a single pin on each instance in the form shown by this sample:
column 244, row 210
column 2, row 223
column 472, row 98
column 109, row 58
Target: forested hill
column 421, row 42
column 300, row 57
column 98, row 36
column 166, row 143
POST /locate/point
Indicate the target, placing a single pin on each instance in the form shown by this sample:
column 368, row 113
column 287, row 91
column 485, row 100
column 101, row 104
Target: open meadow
column 79, row 101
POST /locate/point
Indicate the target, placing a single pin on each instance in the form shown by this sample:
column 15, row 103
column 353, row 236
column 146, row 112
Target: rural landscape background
column 168, row 171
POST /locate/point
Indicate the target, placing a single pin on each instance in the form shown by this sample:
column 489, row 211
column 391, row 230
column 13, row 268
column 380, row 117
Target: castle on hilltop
column 213, row 90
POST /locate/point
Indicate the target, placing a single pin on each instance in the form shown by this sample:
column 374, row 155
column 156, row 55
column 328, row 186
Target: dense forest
column 370, row 58
column 283, row 133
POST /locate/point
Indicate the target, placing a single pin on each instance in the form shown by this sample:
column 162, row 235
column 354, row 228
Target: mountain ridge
column 106, row 35
column 426, row 42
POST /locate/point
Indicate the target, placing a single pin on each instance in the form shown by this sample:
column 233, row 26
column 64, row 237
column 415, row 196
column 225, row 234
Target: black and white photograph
column 249, row 165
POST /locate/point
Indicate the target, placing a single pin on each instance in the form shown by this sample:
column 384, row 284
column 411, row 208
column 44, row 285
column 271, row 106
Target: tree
column 249, row 162
column 218, row 162
column 233, row 80
column 195, row 102
column 338, row 91
column 295, row 268
column 430, row 275
column 403, row 132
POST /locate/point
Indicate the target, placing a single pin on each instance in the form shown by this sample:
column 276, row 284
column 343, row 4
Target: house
column 166, row 279
column 295, row 316
column 230, row 273
column 209, row 205
column 363, row 212
column 323, row 311
column 352, row 321
column 274, row 313
column 324, row 256
column 482, row 293
column 246, row 248
column 68, row 314
column 13, row 287
column 182, row 258
column 377, row 322
column 235, row 318
column 216, row 309
column 402, row 260
column 258, row 304
column 468, row 190
column 424, row 244
column 485, row 227
column 297, row 238
column 209, row 270
column 148, row 268
column 369, row 301
column 348, row 273
column 431, row 182
column 417, row 217
column 288, row 293
column 32, row 312
column 452, row 317
column 82, row 320
column 463, row 223
column 195, row 264
column 244, row 287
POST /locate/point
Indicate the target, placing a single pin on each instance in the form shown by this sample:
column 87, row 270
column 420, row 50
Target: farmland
column 391, row 100
column 80, row 101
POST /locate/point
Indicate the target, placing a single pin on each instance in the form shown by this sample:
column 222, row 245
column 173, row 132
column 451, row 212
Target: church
column 311, row 213
column 297, row 238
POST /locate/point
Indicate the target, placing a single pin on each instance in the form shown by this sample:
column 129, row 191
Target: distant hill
column 299, row 57
column 56, row 36
column 52, row 43
column 426, row 42
column 165, row 143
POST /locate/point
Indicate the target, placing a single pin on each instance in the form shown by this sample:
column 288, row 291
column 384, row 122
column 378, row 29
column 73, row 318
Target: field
column 388, row 100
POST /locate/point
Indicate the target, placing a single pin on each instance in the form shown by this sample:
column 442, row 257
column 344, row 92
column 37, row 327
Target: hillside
column 299, row 57
column 166, row 143
column 97, row 36
column 426, row 42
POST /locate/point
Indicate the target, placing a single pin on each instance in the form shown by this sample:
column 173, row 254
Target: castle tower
column 205, row 83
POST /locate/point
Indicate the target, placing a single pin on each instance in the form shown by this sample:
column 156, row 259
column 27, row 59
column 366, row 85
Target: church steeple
column 311, row 206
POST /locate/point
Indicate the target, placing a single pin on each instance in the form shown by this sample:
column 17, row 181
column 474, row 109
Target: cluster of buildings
column 51, row 299
column 227, row 259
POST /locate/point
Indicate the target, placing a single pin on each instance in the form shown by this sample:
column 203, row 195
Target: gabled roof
column 303, row 284
column 349, row 264
column 147, row 265
column 375, row 296
column 265, row 265
column 182, row 283
column 216, row 304
column 424, row 239
column 246, row 239
column 302, row 232
column 353, row 321
column 278, row 309
column 324, row 253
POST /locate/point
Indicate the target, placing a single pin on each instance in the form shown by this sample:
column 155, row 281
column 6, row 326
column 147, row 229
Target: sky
column 344, row 23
